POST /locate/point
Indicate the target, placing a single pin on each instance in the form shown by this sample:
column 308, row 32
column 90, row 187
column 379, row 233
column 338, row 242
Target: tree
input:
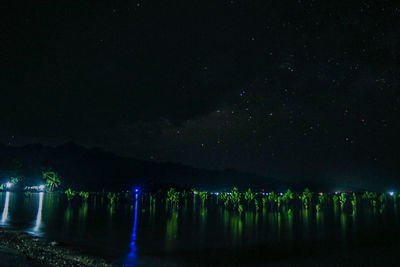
column 342, row 199
column 52, row 179
column 203, row 196
column 235, row 197
column 249, row 196
column 306, row 197
column 84, row 195
column 287, row 196
column 70, row 193
column 172, row 196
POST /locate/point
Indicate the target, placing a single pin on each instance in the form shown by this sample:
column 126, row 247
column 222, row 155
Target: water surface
column 135, row 232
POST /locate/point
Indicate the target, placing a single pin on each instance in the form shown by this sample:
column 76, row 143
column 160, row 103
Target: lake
column 133, row 232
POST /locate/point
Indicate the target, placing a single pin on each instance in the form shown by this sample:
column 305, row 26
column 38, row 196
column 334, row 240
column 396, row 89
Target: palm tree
column 342, row 199
column 70, row 194
column 52, row 179
column 249, row 196
column 84, row 195
column 306, row 197
column 287, row 196
column 203, row 196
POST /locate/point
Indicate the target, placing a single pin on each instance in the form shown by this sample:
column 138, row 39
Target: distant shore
column 21, row 249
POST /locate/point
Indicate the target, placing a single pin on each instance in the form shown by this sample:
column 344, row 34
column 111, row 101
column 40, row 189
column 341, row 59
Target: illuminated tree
column 342, row 199
column 235, row 197
column 84, row 195
column 256, row 204
column 321, row 199
column 354, row 201
column 382, row 199
column 272, row 197
column 249, row 196
column 70, row 193
column 240, row 208
column 306, row 197
column 111, row 197
column 335, row 199
column 287, row 196
column 318, row 207
column 52, row 179
column 172, row 196
column 203, row 196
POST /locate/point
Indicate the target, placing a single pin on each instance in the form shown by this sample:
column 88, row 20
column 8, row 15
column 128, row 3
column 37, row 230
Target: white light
column 391, row 193
column 39, row 213
column 217, row 194
column 8, row 184
column 5, row 210
column 41, row 187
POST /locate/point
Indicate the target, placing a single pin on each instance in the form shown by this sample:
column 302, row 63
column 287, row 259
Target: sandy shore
column 21, row 249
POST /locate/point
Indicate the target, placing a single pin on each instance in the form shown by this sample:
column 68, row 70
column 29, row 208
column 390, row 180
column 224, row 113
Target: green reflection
column 264, row 213
column 236, row 228
column 203, row 221
column 343, row 222
column 111, row 211
column 319, row 216
column 306, row 221
column 83, row 209
column 279, row 223
column 51, row 201
column 289, row 218
column 171, row 232
column 354, row 218
column 68, row 214
column 226, row 222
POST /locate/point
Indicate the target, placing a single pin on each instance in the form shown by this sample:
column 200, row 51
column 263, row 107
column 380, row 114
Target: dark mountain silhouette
column 96, row 169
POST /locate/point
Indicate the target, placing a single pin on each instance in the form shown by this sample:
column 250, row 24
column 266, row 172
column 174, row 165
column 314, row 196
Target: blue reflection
column 131, row 257
column 4, row 215
column 38, row 221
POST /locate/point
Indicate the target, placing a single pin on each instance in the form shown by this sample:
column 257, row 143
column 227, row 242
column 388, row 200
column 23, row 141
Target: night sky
column 294, row 90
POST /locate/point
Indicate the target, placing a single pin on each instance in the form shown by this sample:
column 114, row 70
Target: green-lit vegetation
column 70, row 193
column 342, row 199
column 84, row 195
column 52, row 179
column 112, row 197
column 203, row 196
column 249, row 196
column 354, row 201
column 234, row 200
column 306, row 198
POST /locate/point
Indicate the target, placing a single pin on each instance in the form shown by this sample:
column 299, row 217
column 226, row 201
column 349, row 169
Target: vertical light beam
column 39, row 213
column 4, row 215
column 132, row 254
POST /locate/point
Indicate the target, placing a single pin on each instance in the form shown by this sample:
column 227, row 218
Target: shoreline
column 22, row 249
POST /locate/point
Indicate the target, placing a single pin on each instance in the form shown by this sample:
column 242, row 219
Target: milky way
column 290, row 89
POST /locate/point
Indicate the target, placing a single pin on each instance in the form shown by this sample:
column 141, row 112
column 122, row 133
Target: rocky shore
column 21, row 249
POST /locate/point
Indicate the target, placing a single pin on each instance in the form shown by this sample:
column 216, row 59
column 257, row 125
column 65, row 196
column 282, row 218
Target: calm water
column 134, row 233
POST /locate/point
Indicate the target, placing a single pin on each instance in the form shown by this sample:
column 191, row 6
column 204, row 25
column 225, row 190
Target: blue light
column 131, row 257
column 137, row 190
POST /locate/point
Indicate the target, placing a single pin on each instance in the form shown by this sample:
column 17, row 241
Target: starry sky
column 295, row 90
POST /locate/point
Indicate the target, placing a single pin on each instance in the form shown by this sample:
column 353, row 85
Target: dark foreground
column 21, row 249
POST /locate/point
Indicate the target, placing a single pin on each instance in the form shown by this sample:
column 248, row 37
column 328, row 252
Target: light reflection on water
column 38, row 222
column 131, row 257
column 4, row 214
column 131, row 235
